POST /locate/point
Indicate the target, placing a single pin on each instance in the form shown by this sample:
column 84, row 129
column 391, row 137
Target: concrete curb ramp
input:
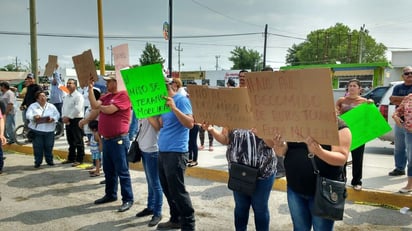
column 366, row 196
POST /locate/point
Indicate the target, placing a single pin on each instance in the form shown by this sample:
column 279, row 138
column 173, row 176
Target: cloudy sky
column 200, row 26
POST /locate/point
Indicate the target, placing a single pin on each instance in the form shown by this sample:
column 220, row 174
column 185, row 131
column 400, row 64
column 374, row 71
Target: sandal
column 95, row 174
column 194, row 163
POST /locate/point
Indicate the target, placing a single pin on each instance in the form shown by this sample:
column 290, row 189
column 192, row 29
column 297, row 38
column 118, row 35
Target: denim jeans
column 259, row 202
column 172, row 166
column 116, row 168
column 408, row 141
column 1, row 159
column 400, row 148
column 300, row 210
column 10, row 127
column 43, row 143
column 155, row 197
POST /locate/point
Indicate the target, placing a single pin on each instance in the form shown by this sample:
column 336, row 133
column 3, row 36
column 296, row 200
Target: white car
column 387, row 109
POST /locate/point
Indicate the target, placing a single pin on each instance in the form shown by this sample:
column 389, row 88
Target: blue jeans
column 116, row 168
column 43, row 143
column 172, row 166
column 259, row 202
column 155, row 197
column 300, row 207
column 400, row 148
column 408, row 141
column 133, row 126
column 1, row 159
column 10, row 127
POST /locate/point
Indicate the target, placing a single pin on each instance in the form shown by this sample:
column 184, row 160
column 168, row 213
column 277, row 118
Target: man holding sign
column 173, row 154
column 114, row 118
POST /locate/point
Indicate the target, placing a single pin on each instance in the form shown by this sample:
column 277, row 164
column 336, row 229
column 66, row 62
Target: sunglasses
column 407, row 73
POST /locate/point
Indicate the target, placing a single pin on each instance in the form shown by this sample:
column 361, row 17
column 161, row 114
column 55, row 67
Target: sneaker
column 144, row 212
column 357, row 187
column 103, row 182
column 155, row 220
column 75, row 164
column 405, row 190
column 397, row 172
column 168, row 225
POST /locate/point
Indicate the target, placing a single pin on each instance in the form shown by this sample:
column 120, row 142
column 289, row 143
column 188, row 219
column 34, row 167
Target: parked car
column 376, row 94
column 387, row 109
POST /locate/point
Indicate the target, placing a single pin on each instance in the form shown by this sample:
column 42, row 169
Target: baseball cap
column 110, row 77
column 30, row 75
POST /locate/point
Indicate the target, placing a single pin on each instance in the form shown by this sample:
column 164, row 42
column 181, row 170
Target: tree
column 337, row 43
column 246, row 59
column 151, row 55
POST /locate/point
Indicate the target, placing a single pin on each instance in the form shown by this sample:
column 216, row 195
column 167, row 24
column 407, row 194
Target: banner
column 121, row 61
column 365, row 123
column 85, row 68
column 226, row 107
column 146, row 88
column 50, row 66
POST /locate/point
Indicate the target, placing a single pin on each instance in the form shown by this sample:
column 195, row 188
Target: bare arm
column 221, row 136
column 186, row 120
column 339, row 153
column 396, row 100
column 155, row 122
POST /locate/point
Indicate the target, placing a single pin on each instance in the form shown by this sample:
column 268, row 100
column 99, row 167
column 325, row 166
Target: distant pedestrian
column 398, row 94
column 43, row 117
column 72, row 113
column 343, row 105
column 9, row 99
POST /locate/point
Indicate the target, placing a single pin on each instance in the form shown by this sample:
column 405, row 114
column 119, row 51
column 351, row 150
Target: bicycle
column 20, row 133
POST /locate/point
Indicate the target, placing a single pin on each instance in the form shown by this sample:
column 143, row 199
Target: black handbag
column 330, row 196
column 242, row 178
column 135, row 153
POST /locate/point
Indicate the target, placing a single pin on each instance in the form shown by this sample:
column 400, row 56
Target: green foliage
column 151, row 55
column 9, row 67
column 246, row 59
column 337, row 43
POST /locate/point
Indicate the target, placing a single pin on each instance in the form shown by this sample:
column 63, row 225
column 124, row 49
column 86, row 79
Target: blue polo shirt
column 173, row 136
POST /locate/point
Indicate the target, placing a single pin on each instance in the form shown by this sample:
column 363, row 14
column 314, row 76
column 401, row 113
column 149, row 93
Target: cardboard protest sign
column 365, row 123
column 226, row 107
column 121, row 61
column 146, row 88
column 51, row 65
column 85, row 68
column 293, row 104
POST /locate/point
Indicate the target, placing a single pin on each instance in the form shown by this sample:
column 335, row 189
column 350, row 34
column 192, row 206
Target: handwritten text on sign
column 146, row 88
column 294, row 104
column 227, row 107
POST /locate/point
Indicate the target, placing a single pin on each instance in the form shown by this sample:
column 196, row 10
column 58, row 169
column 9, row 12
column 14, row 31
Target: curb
column 388, row 199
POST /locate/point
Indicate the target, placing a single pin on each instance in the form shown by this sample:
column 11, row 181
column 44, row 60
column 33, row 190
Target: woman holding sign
column 344, row 104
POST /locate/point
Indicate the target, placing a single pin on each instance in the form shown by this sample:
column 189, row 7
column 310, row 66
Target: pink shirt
column 112, row 125
column 405, row 110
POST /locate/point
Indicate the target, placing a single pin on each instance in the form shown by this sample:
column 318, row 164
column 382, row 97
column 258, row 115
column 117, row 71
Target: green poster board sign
column 146, row 88
column 365, row 123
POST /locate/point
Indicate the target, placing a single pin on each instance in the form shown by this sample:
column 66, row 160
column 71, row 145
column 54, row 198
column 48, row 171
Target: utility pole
column 264, row 46
column 33, row 39
column 217, row 61
column 111, row 54
column 362, row 32
column 170, row 37
column 101, row 36
column 178, row 49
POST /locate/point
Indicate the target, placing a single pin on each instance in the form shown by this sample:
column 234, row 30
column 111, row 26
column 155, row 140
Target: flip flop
column 94, row 174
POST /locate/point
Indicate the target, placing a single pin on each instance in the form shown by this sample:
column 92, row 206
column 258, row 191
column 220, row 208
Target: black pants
column 75, row 139
column 193, row 150
column 172, row 166
column 357, row 165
